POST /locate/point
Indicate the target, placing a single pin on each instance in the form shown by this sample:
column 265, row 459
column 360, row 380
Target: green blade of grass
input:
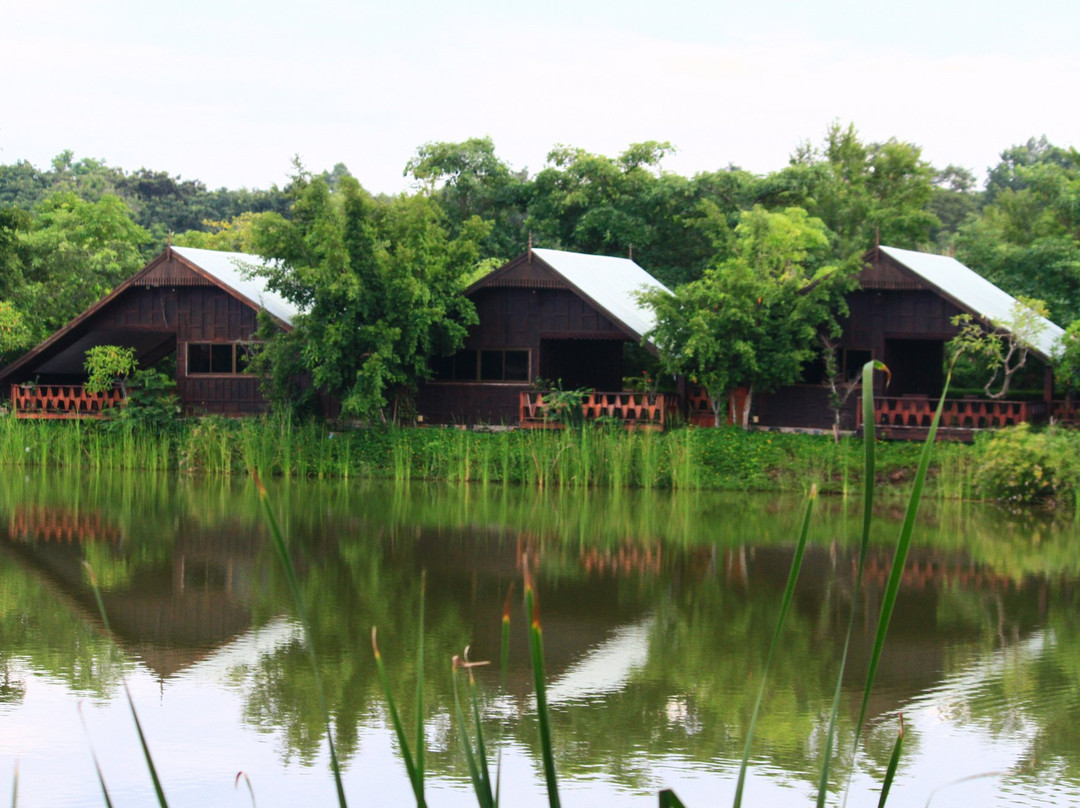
column 894, row 760
column 247, row 780
column 415, row 780
column 94, row 757
column 785, row 604
column 305, row 626
column 504, row 662
column 536, row 656
column 869, row 448
column 158, row 790
column 419, row 748
column 903, row 544
column 669, row 800
column 481, row 788
column 481, row 746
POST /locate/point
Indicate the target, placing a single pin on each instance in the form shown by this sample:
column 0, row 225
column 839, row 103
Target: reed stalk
column 305, row 626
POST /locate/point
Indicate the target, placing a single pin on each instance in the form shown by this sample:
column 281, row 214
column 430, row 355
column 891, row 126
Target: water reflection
column 657, row 608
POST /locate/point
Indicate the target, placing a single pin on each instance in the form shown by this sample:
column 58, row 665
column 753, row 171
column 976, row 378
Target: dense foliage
column 70, row 232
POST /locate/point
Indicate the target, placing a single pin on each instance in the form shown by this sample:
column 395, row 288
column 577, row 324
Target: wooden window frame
column 235, row 345
column 477, row 376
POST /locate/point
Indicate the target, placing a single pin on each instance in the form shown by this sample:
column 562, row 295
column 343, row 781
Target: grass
column 597, row 456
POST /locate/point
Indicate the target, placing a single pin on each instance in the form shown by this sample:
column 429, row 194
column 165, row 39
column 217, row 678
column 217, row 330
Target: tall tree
column 380, row 284
column 1027, row 238
column 752, row 320
column 867, row 194
column 75, row 252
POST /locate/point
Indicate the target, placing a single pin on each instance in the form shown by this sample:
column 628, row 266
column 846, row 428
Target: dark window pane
column 813, row 372
column 198, row 358
column 221, row 358
column 442, row 368
column 854, row 361
column 491, row 368
column 465, row 365
column 244, row 352
column 516, row 366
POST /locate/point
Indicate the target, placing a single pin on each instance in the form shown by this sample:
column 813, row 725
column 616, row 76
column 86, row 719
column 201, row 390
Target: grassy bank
column 689, row 458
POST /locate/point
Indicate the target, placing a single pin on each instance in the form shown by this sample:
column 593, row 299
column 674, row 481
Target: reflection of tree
column 703, row 572
column 37, row 631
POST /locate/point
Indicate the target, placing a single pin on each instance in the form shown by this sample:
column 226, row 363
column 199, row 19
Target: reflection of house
column 197, row 304
column 171, row 613
column 558, row 316
column 902, row 315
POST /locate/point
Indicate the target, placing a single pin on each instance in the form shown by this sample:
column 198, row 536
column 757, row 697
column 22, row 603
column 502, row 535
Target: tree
column 108, row 364
column 1003, row 348
column 380, row 285
column 1027, row 238
column 867, row 194
column 75, row 252
column 14, row 333
column 752, row 320
column 467, row 179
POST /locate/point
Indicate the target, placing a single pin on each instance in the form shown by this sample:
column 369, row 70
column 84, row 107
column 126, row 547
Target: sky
column 229, row 91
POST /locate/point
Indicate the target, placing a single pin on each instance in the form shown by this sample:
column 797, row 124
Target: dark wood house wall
column 567, row 339
column 899, row 323
column 166, row 309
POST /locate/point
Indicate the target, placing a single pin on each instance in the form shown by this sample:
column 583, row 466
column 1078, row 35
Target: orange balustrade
column 961, row 413
column 62, row 401
column 537, row 409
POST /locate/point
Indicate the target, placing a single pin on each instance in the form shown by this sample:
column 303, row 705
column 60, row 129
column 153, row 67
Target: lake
column 657, row 610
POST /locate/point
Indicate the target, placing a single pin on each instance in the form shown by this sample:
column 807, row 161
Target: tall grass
column 589, row 456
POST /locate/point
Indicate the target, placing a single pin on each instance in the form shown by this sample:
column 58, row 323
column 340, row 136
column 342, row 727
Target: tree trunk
column 746, row 408
column 716, row 404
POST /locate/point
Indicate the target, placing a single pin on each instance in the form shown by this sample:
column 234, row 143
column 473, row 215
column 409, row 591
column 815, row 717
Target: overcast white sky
column 227, row 91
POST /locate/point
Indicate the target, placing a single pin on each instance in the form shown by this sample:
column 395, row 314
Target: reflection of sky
column 606, row 668
column 953, row 747
column 200, row 741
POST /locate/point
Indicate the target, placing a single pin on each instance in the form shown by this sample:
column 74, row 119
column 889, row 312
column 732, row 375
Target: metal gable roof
column 234, row 270
column 971, row 291
column 610, row 283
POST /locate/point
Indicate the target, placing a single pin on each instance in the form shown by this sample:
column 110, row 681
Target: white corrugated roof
column 610, row 283
column 971, row 291
column 235, row 271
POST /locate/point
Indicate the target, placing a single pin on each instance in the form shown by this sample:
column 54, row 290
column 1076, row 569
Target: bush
column 1021, row 465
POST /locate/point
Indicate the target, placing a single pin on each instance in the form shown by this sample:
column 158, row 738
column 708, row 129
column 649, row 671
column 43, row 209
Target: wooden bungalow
column 547, row 318
column 200, row 305
column 902, row 314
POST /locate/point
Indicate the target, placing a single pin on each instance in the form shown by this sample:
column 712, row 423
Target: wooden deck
column 633, row 410
column 62, row 401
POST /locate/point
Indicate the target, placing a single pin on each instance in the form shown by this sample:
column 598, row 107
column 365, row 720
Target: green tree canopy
column 380, row 284
column 752, row 320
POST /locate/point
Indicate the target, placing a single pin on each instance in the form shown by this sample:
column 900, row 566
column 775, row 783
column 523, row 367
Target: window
column 482, row 366
column 218, row 357
column 854, row 359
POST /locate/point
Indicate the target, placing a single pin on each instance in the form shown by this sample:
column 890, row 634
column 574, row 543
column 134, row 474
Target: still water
column 657, row 611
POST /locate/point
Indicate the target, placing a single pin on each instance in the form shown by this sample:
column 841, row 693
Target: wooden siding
column 160, row 310
column 880, row 319
column 513, row 317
